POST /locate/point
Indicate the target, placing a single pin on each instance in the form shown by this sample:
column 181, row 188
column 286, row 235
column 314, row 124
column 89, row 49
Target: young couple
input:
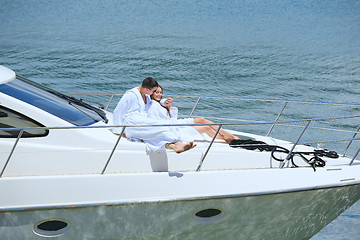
column 136, row 107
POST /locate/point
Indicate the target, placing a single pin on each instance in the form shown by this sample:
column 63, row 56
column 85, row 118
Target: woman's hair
column 149, row 83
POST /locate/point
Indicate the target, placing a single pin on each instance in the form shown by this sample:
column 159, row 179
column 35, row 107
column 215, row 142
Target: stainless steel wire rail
column 284, row 102
column 220, row 125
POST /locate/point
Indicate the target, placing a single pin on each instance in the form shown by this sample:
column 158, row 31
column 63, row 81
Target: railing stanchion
column 357, row 153
column 207, row 150
column 12, row 151
column 293, row 147
column 277, row 118
column 108, row 105
column 193, row 110
column 347, row 147
column 112, row 152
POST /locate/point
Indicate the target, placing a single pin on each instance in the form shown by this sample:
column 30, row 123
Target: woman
column 164, row 110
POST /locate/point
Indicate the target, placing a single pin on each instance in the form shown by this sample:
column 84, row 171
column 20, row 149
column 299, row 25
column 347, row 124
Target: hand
column 168, row 102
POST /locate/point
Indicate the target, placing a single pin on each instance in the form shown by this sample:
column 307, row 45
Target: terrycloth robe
column 132, row 110
column 185, row 133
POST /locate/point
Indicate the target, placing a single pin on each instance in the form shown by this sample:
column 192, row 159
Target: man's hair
column 149, row 83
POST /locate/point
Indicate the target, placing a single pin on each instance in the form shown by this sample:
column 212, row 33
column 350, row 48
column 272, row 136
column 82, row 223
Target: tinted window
column 47, row 100
column 12, row 119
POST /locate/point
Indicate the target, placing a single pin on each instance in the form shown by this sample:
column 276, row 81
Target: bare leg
column 223, row 133
column 209, row 131
column 180, row 147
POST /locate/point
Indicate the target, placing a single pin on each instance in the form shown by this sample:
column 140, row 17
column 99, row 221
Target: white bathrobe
column 185, row 133
column 132, row 110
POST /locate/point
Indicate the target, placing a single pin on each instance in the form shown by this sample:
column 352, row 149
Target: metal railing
column 284, row 102
column 198, row 98
column 272, row 124
column 220, row 125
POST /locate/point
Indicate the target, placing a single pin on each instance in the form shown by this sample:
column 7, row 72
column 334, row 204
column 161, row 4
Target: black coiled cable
column 314, row 161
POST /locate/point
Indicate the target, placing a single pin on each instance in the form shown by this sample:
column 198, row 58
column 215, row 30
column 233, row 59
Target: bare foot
column 227, row 140
column 189, row 146
column 180, row 147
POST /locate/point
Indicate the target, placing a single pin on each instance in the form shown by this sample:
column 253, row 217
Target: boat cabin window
column 11, row 119
column 65, row 107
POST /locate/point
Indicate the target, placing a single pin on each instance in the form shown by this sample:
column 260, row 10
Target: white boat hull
column 294, row 215
column 65, row 175
column 255, row 204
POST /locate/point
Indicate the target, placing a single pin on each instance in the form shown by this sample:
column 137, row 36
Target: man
column 132, row 110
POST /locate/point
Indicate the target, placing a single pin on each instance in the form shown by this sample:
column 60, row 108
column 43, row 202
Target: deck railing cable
column 285, row 102
column 308, row 121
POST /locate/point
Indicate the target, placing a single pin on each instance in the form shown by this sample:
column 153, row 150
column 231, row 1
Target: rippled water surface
column 300, row 50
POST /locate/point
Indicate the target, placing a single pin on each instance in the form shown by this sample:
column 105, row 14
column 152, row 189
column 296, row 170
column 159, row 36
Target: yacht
column 65, row 175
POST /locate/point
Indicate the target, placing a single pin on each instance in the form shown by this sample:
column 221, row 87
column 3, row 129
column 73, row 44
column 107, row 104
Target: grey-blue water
column 300, row 50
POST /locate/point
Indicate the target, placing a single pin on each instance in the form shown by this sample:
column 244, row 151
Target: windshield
column 65, row 107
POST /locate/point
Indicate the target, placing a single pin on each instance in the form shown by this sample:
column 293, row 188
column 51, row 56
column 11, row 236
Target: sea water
column 268, row 49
